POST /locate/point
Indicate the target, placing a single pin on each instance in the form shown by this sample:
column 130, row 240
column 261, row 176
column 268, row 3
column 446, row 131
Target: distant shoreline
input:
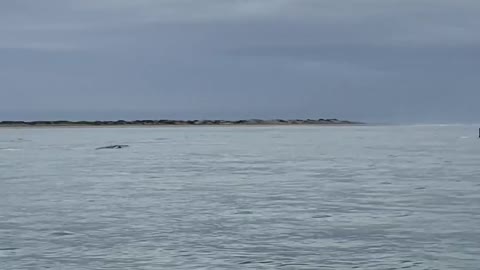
column 178, row 123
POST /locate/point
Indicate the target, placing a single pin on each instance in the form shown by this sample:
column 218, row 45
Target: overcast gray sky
column 370, row 60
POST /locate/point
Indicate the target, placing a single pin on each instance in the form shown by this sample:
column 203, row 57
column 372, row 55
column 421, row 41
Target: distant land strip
column 250, row 122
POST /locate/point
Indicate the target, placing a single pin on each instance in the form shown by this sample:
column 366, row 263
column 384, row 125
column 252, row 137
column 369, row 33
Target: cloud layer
column 373, row 60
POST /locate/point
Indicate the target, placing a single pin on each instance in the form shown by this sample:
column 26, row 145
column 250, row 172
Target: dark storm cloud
column 375, row 60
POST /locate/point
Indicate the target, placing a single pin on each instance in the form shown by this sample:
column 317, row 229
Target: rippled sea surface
column 384, row 197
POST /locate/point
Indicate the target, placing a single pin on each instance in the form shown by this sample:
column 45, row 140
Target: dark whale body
column 116, row 146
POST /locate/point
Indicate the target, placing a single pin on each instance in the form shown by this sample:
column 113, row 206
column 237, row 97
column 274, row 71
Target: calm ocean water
column 386, row 197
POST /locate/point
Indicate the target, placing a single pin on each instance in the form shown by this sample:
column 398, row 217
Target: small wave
column 10, row 149
column 322, row 216
column 8, row 249
column 62, row 233
column 245, row 212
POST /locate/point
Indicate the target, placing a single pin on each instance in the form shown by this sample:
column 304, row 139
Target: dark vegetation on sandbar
column 180, row 122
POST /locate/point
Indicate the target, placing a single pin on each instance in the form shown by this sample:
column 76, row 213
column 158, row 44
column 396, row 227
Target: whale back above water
column 116, row 146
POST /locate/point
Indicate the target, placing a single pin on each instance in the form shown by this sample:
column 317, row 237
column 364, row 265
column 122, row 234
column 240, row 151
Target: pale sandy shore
column 175, row 126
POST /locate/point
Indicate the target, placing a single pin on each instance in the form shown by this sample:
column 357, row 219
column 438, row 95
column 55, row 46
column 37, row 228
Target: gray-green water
column 405, row 197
